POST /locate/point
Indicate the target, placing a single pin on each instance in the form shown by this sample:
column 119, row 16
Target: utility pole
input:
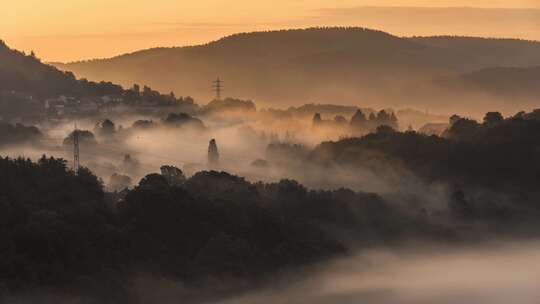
column 218, row 88
column 76, row 158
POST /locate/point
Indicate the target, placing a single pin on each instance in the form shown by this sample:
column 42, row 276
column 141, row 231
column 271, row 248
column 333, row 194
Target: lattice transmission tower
column 217, row 87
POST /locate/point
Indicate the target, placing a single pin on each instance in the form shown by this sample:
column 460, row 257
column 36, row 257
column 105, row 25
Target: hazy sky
column 63, row 30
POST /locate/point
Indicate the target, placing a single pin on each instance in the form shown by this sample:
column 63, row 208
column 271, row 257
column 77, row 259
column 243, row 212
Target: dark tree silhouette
column 493, row 118
column 85, row 137
column 359, row 120
column 213, row 154
column 317, row 120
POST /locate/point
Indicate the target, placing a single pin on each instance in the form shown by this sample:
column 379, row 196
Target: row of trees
column 360, row 123
column 18, row 134
column 493, row 122
column 135, row 95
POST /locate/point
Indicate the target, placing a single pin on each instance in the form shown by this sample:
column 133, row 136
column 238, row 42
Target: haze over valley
column 291, row 154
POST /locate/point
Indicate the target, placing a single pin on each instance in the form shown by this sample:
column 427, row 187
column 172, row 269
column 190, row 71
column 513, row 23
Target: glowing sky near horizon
column 64, row 30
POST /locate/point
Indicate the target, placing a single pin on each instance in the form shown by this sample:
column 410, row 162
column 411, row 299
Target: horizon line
column 280, row 30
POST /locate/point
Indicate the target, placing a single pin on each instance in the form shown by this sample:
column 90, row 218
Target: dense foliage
column 53, row 223
column 59, row 228
column 229, row 105
column 495, row 159
column 181, row 120
column 26, row 73
column 18, row 133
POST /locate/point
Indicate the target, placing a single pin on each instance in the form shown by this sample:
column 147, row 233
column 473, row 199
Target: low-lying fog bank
column 255, row 146
column 490, row 274
column 499, row 272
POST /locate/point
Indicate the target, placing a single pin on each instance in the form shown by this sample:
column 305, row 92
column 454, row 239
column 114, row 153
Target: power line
column 94, row 154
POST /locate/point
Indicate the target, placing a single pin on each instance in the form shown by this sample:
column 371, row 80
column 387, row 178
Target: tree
column 18, row 133
column 143, row 124
column 385, row 129
column 317, row 120
column 340, row 120
column 173, row 175
column 535, row 114
column 453, row 119
column 213, row 154
column 359, row 121
column 107, row 128
column 137, row 89
column 183, row 119
column 154, row 181
column 464, row 129
column 85, row 138
column 383, row 117
column 493, row 118
column 520, row 115
column 394, row 121
column 119, row 182
column 131, row 165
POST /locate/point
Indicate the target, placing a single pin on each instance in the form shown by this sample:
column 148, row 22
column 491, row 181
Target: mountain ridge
column 337, row 64
column 216, row 41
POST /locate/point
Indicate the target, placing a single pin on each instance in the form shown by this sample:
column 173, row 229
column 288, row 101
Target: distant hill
column 22, row 72
column 26, row 83
column 467, row 54
column 27, row 74
column 354, row 66
column 506, row 81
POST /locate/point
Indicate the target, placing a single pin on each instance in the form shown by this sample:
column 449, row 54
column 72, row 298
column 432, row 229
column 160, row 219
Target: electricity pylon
column 218, row 88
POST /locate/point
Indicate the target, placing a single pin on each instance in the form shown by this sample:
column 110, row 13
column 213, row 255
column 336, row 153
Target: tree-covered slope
column 298, row 66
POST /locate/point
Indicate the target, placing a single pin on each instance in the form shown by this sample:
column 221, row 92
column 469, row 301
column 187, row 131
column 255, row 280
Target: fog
column 242, row 138
column 490, row 271
column 494, row 273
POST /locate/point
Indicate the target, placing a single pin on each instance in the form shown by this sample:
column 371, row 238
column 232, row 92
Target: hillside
column 28, row 87
column 469, row 53
column 334, row 65
column 27, row 74
column 506, row 81
column 22, row 72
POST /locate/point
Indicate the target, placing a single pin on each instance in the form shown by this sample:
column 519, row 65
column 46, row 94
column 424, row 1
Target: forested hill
column 22, row 72
column 340, row 65
column 506, row 81
column 473, row 53
column 26, row 73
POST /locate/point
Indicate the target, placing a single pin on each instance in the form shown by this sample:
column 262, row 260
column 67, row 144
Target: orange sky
column 65, row 30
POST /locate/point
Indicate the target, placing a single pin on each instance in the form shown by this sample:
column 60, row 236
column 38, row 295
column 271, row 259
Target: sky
column 69, row 30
